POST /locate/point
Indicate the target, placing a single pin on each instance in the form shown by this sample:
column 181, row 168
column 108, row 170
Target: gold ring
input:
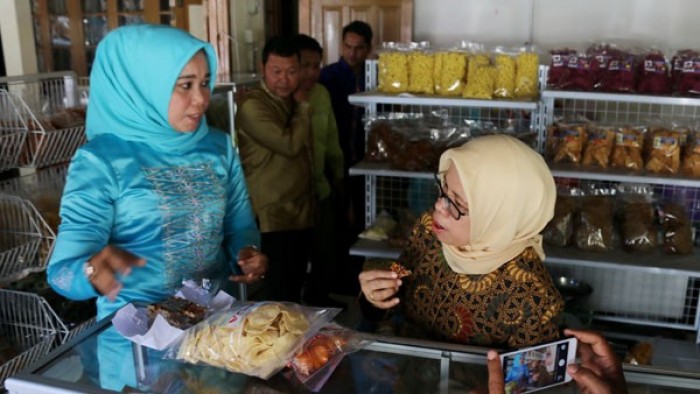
column 262, row 277
column 371, row 295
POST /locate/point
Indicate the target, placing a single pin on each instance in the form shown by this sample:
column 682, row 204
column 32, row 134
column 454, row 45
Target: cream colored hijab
column 511, row 195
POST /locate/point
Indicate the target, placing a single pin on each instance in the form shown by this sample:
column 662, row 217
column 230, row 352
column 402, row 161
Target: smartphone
column 538, row 367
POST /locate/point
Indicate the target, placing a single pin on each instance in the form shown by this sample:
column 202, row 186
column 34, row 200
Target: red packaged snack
column 557, row 68
column 689, row 81
column 654, row 74
column 600, row 56
column 677, row 65
column 578, row 74
column 621, row 74
column 400, row 270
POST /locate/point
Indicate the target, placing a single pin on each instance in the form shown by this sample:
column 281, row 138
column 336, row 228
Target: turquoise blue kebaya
column 178, row 200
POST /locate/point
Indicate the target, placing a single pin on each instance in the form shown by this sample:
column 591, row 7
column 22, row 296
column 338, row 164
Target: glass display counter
column 386, row 365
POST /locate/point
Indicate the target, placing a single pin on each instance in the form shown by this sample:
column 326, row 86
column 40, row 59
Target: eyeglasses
column 449, row 204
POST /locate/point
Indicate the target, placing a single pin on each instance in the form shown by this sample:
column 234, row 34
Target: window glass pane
column 60, row 30
column 130, row 19
column 130, row 5
column 94, row 6
column 56, row 7
column 61, row 59
column 95, row 28
column 164, row 5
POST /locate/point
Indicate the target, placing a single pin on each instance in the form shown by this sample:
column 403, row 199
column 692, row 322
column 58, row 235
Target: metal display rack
column 37, row 98
column 657, row 289
column 26, row 241
column 13, row 132
column 28, row 323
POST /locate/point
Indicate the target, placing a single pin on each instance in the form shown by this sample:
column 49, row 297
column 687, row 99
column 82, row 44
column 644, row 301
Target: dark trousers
column 323, row 253
column 288, row 254
column 349, row 223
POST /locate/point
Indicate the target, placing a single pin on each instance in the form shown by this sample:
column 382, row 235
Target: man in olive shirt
column 328, row 175
column 275, row 145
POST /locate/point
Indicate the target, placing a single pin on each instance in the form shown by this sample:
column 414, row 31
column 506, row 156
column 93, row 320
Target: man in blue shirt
column 343, row 78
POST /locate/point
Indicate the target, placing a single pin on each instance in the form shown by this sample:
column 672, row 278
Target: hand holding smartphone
column 538, row 367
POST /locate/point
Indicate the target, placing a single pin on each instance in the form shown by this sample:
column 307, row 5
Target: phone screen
column 535, row 368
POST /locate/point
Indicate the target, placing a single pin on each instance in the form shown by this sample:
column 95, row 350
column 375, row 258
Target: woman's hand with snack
column 380, row 287
column 104, row 268
column 253, row 265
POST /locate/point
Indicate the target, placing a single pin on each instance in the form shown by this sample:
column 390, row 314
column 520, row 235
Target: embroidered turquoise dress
column 178, row 200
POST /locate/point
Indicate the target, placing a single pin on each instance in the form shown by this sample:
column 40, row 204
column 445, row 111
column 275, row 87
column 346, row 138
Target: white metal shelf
column 657, row 262
column 558, row 170
column 383, row 169
column 620, row 97
column 621, row 175
column 373, row 97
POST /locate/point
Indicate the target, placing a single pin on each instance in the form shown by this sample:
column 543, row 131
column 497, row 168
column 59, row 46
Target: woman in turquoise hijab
column 154, row 196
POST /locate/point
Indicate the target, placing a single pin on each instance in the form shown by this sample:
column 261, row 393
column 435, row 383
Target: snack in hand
column 400, row 270
column 179, row 312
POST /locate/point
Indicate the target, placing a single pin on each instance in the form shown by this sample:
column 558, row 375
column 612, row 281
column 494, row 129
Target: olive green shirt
column 276, row 149
column 328, row 158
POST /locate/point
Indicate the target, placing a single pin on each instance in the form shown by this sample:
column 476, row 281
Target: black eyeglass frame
column 445, row 197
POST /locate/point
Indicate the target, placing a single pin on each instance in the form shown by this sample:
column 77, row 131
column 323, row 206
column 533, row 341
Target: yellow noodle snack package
column 393, row 70
column 449, row 71
column 420, row 72
column 527, row 63
column 505, row 77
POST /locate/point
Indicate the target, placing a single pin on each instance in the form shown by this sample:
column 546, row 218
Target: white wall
column 668, row 23
column 17, row 37
column 246, row 16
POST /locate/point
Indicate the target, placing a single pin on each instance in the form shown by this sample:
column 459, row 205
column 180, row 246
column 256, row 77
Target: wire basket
column 50, row 108
column 13, row 132
column 30, row 328
column 26, row 241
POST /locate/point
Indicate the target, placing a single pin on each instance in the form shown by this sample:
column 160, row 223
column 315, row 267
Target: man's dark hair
column 304, row 42
column 282, row 46
column 361, row 29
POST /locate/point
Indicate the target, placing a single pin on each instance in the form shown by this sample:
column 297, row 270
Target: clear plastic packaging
column 664, row 151
column 256, row 339
column 421, row 63
column 560, row 230
column 569, row 139
column 691, row 157
column 594, row 229
column 504, row 60
column 449, row 72
column 558, row 67
column 637, row 218
column 628, row 149
column 481, row 77
column 676, row 228
column 393, row 68
column 599, row 146
column 527, row 63
column 315, row 362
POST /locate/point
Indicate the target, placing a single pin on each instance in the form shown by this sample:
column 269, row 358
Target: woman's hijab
column 132, row 80
column 511, row 194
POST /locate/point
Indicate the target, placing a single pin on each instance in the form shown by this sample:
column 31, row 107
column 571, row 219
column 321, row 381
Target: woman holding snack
column 154, row 196
column 476, row 261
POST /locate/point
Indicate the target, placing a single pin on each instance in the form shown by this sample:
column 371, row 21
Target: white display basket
column 26, row 241
column 38, row 98
column 30, row 326
column 13, row 132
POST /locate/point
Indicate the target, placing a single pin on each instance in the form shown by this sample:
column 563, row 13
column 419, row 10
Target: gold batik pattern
column 514, row 306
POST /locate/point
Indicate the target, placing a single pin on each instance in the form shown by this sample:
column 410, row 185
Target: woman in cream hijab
column 476, row 259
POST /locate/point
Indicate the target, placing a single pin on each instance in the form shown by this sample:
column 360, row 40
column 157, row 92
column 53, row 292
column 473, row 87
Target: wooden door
column 391, row 20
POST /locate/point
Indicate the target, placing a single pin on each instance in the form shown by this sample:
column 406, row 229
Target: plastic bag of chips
column 257, row 339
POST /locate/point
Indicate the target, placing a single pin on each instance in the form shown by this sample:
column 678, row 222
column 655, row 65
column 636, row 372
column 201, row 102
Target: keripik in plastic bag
column 254, row 338
column 315, row 362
